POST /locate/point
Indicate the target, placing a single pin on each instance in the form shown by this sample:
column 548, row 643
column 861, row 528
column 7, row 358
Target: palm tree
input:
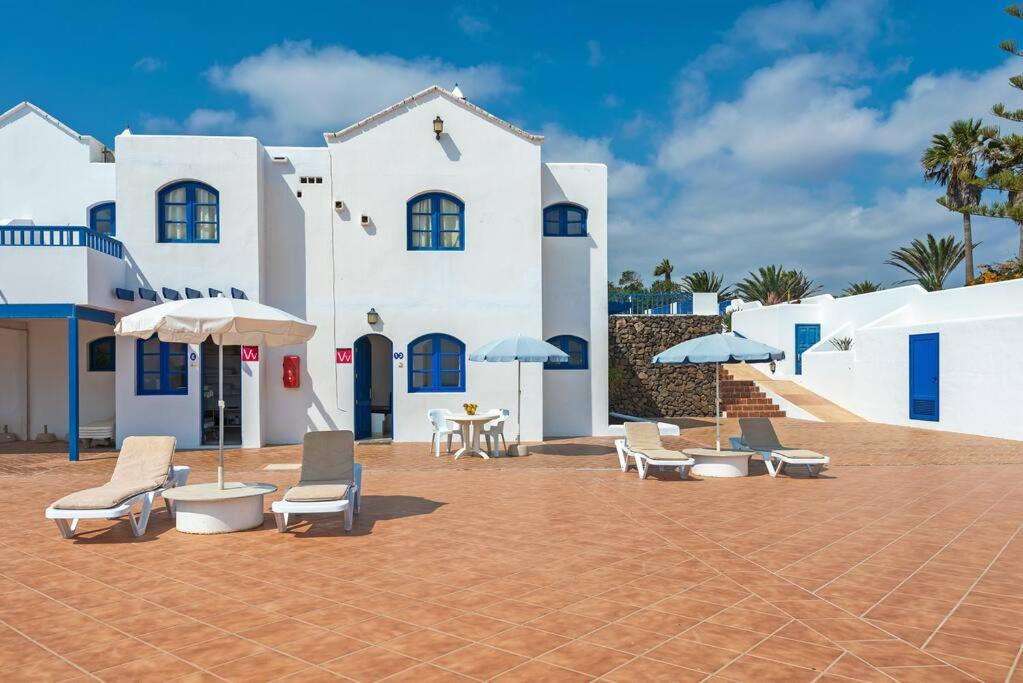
column 930, row 262
column 706, row 281
column 664, row 268
column 952, row 161
column 863, row 287
column 774, row 285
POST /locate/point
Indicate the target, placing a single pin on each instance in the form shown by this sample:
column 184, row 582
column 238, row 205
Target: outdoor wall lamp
column 438, row 126
column 372, row 317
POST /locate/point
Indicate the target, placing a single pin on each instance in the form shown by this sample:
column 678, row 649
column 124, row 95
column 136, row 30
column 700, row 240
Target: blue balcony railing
column 647, row 303
column 58, row 236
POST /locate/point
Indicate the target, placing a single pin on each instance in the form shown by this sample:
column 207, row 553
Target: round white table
column 471, row 426
column 206, row 509
column 714, row 463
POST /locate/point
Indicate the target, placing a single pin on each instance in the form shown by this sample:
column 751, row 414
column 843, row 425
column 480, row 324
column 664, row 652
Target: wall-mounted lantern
column 372, row 317
column 438, row 126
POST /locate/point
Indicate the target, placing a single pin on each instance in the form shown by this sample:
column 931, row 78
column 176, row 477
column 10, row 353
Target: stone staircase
column 743, row 398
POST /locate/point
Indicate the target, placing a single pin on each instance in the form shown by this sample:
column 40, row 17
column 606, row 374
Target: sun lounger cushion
column 643, row 436
column 328, row 457
column 661, row 454
column 101, row 497
column 143, row 465
column 798, row 454
column 316, row 492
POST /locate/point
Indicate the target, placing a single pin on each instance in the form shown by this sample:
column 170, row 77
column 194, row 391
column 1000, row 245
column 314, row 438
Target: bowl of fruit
column 470, row 408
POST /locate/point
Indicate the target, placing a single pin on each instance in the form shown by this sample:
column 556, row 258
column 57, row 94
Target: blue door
column 363, row 383
column 806, row 336
column 923, row 377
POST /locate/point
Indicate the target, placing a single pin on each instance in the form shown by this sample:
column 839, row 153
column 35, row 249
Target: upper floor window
column 436, row 221
column 436, row 363
column 160, row 367
column 577, row 350
column 103, row 218
column 564, row 220
column 101, row 355
column 189, row 212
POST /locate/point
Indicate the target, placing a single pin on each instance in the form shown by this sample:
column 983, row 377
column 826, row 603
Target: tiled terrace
column 554, row 566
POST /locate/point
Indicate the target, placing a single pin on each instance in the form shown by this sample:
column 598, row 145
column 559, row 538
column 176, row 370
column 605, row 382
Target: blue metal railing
column 58, row 236
column 647, row 303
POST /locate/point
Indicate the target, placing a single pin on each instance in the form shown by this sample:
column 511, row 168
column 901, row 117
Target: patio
column 554, row 566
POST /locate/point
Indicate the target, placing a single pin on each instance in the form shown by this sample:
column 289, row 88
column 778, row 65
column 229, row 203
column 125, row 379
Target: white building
column 408, row 249
column 945, row 360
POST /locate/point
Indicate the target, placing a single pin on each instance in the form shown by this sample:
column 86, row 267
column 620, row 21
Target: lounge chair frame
column 67, row 520
column 350, row 505
column 645, row 462
column 814, row 466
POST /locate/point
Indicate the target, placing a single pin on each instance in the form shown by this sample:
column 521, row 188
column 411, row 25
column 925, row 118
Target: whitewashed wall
column 14, row 373
column 575, row 301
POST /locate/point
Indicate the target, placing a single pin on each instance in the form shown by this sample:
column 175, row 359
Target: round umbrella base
column 516, row 449
column 206, row 509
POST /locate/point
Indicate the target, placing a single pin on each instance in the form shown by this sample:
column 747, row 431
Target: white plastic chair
column 441, row 428
column 495, row 430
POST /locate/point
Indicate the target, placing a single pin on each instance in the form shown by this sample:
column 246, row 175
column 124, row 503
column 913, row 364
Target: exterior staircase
column 743, row 398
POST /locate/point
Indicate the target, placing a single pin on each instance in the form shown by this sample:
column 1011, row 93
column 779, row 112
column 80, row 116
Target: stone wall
column 645, row 390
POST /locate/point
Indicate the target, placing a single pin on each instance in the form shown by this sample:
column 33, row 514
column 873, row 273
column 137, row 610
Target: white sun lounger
column 144, row 471
column 330, row 481
column 101, row 429
column 758, row 435
column 642, row 443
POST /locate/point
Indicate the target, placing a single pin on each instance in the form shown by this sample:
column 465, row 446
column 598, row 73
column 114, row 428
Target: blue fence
column 646, row 303
column 58, row 236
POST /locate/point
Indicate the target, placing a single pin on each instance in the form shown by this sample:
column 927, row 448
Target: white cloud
column 149, row 64
column 473, row 26
column 625, row 178
column 295, row 91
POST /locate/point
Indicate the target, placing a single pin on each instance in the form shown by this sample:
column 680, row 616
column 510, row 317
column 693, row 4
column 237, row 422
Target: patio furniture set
column 469, row 428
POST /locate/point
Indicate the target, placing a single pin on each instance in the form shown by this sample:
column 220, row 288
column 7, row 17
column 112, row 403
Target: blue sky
column 737, row 133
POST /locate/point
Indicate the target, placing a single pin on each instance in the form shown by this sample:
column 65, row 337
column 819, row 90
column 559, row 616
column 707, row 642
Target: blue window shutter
column 436, row 364
column 577, row 349
column 438, row 234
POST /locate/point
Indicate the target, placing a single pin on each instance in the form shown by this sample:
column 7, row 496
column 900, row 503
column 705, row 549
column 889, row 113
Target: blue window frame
column 160, row 367
column 189, row 212
column 103, row 218
column 577, row 349
column 436, row 221
column 564, row 220
column 436, row 364
column 101, row 355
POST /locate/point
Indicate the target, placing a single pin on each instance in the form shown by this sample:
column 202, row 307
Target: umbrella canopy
column 520, row 349
column 718, row 348
column 231, row 322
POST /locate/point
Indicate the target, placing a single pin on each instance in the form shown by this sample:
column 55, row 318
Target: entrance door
column 806, row 336
column 232, row 394
column 923, row 377
column 363, row 388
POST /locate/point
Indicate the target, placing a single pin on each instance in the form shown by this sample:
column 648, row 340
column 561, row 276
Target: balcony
column 58, row 236
column 653, row 303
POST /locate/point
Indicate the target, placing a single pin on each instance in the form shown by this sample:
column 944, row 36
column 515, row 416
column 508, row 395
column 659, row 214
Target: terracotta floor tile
column 664, row 623
column 46, row 668
column 750, row 620
column 513, row 611
column 370, row 664
column 1001, row 654
column 378, row 629
column 181, row 635
column 689, row 653
column 645, row 669
column 526, row 641
column 566, row 624
column 111, row 654
column 211, row 653
column 845, row 629
column 473, row 626
column 425, row 645
column 850, row 666
column 161, row 666
column 926, row 674
column 890, row 653
column 984, row 671
column 625, row 638
column 598, row 608
column 428, row 673
column 536, row 670
column 479, row 661
column 750, row 668
column 724, row 637
column 805, row 655
column 262, row 666
column 586, row 658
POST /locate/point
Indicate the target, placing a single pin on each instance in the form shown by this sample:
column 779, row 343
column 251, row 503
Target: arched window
column 103, row 218
column 436, row 221
column 577, row 349
column 436, row 362
column 160, row 367
column 101, row 355
column 189, row 212
column 564, row 220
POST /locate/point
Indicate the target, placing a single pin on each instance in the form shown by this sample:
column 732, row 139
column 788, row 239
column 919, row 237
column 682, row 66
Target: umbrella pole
column 220, row 407
column 518, row 414
column 717, row 402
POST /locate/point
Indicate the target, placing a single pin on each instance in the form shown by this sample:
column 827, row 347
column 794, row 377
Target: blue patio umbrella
column 717, row 349
column 520, row 349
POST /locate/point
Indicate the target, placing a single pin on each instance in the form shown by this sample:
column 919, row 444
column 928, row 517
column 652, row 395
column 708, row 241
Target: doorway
column 232, row 394
column 374, row 406
column 924, row 377
column 806, row 336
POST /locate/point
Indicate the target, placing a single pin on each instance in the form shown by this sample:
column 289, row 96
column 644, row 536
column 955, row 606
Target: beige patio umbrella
column 232, row 322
